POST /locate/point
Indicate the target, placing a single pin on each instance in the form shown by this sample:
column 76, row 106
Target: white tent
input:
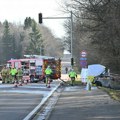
column 95, row 69
column 84, row 74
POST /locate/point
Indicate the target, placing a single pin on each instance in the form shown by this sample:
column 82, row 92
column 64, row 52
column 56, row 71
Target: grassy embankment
column 114, row 94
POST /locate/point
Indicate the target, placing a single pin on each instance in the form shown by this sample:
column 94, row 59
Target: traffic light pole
column 71, row 17
column 72, row 40
column 71, row 35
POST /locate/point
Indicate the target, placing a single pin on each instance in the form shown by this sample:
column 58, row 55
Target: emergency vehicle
column 34, row 68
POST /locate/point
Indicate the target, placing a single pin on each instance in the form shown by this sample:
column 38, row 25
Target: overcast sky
column 17, row 10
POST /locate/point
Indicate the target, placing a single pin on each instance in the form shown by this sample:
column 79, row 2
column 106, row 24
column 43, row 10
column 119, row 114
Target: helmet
column 48, row 66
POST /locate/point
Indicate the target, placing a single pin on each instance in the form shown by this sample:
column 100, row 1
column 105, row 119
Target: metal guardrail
column 113, row 74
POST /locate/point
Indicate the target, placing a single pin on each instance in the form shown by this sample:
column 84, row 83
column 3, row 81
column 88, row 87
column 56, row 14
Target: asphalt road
column 15, row 106
column 77, row 103
column 17, row 103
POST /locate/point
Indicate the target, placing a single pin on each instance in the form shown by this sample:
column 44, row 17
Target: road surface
column 17, row 103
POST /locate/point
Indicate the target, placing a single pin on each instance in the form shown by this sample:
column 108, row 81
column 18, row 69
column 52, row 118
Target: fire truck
column 55, row 65
column 34, row 68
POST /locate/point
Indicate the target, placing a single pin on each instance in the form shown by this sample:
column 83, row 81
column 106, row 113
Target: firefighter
column 19, row 76
column 10, row 76
column 72, row 74
column 48, row 73
column 13, row 73
column 7, row 75
column 3, row 74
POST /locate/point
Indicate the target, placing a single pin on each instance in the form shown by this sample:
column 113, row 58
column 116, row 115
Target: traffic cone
column 15, row 84
column 25, row 81
column 48, row 86
column 20, row 83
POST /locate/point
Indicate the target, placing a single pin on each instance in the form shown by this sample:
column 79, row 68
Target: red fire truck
column 34, row 68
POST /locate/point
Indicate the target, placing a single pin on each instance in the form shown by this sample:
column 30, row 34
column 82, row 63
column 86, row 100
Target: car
column 104, row 81
column 107, row 81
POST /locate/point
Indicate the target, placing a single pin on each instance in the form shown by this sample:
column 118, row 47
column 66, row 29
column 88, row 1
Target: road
column 17, row 103
column 77, row 103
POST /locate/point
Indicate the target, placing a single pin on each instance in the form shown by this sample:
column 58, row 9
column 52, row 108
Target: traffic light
column 40, row 18
column 72, row 61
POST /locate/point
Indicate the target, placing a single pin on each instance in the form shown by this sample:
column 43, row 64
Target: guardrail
column 115, row 76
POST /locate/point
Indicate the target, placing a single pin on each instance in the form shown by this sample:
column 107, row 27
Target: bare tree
column 96, row 29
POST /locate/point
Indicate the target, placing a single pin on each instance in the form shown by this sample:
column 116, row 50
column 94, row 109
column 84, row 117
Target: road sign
column 83, row 63
column 83, row 58
column 83, row 53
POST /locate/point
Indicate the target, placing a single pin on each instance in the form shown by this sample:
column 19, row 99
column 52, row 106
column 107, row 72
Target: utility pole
column 71, row 35
column 71, row 18
column 72, row 59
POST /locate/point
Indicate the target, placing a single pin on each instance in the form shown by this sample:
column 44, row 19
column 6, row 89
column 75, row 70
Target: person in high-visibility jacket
column 72, row 74
column 13, row 73
column 48, row 73
column 89, row 82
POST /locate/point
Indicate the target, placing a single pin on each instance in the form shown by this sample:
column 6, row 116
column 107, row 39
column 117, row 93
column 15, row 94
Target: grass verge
column 114, row 94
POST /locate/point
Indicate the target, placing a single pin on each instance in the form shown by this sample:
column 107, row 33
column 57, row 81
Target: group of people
column 10, row 75
column 72, row 74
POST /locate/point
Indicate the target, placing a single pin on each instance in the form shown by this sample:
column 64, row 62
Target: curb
column 37, row 108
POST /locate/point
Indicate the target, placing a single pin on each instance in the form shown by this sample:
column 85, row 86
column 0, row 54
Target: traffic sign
column 83, row 53
column 83, row 63
column 83, row 58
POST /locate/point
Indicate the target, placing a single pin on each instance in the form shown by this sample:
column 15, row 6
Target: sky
column 16, row 11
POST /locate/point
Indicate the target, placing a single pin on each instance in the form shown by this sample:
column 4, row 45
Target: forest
column 28, row 39
column 96, row 29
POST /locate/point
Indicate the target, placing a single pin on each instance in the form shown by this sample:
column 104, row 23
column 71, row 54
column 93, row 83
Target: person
column 19, row 76
column 48, row 73
column 13, row 73
column 66, row 70
column 90, row 80
column 10, row 76
column 72, row 74
column 7, row 75
column 3, row 74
